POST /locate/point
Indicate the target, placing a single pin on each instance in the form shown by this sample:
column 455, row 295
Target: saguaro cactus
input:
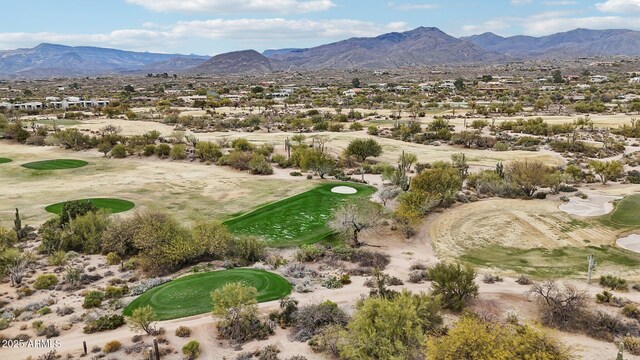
column 591, row 260
column 17, row 223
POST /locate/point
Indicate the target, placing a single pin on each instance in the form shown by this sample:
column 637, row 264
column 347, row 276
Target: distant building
column 597, row 79
column 77, row 102
column 635, row 80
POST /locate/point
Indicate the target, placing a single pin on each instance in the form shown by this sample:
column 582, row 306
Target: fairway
column 552, row 263
column 55, row 164
column 191, row 295
column 627, row 212
column 112, row 205
column 4, row 160
column 300, row 219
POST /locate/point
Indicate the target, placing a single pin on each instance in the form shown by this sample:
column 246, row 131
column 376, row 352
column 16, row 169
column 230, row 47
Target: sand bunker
column 631, row 242
column 594, row 205
column 347, row 190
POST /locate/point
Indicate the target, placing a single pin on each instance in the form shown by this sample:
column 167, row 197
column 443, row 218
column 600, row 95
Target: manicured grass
column 300, row 219
column 627, row 212
column 191, row 295
column 112, row 205
column 55, row 164
column 551, row 263
column 5, row 160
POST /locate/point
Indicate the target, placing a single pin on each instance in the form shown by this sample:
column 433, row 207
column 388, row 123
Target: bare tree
column 387, row 194
column 354, row 217
column 560, row 306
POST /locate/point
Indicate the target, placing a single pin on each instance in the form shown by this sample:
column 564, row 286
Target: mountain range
column 419, row 47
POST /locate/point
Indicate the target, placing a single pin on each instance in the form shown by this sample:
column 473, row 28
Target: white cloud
column 489, row 26
column 619, row 6
column 560, row 3
column 520, row 2
column 235, row 6
column 256, row 33
column 542, row 26
column 412, row 6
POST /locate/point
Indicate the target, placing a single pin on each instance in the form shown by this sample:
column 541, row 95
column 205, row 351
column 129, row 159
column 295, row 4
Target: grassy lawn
column 4, row 160
column 552, row 263
column 113, row 205
column 300, row 219
column 626, row 213
column 55, row 164
column 191, row 295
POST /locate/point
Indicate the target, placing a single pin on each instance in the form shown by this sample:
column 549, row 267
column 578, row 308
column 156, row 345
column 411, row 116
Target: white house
column 597, row 79
column 635, row 80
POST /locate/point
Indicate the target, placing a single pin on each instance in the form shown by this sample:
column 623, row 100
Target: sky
column 210, row 27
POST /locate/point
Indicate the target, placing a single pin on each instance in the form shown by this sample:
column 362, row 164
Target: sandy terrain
column 630, row 242
column 595, row 205
column 511, row 223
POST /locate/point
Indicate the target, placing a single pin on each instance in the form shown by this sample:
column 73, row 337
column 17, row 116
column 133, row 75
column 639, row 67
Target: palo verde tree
column 528, row 175
column 442, row 182
column 363, row 149
column 606, row 170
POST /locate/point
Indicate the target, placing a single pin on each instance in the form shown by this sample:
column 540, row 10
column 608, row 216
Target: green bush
column 45, row 281
column 259, row 165
column 191, row 349
column 248, row 248
column 119, row 151
column 310, row 252
column 614, row 282
column 93, row 299
column 58, row 258
column 115, row 292
column 454, row 283
column 501, row 146
column 104, row 323
column 113, row 259
column 631, row 311
column 178, row 152
column 44, row 311
column 112, row 346
column 163, row 150
column 149, row 150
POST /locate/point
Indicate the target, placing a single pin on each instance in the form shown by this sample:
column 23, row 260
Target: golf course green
column 627, row 212
column 112, row 205
column 4, row 160
column 191, row 295
column 300, row 219
column 57, row 164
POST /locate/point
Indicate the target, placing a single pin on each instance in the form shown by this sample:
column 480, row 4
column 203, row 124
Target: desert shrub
column 332, row 282
column 119, row 151
column 295, row 173
column 309, row 320
column 191, row 349
column 4, row 323
column 524, row 280
column 93, row 299
column 236, row 305
column 390, row 328
column 115, row 292
column 491, row 279
column 284, row 317
column 178, row 152
column 64, row 310
column 248, row 248
column 113, row 259
column 183, row 331
column 614, row 282
column 560, row 306
column 147, row 284
column 298, row 271
column 631, row 311
column 371, row 259
column 603, row 326
column 632, row 344
column 58, row 258
column 112, row 346
column 163, row 151
column 104, row 323
column 418, row 266
column 148, row 150
column 310, row 252
column 44, row 310
column 48, row 331
column 45, row 281
column 472, row 338
column 259, row 165
column 454, row 283
column 418, row 276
